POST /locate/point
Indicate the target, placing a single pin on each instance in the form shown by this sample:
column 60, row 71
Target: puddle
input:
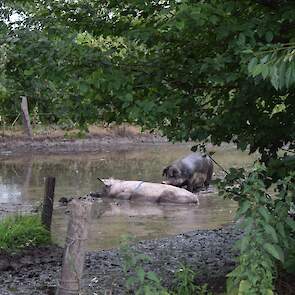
column 22, row 186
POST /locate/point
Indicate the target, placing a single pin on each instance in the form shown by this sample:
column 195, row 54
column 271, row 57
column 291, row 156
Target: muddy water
column 22, row 185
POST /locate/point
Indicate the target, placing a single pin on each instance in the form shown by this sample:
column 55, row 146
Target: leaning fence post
column 46, row 215
column 74, row 251
column 3, row 129
column 26, row 117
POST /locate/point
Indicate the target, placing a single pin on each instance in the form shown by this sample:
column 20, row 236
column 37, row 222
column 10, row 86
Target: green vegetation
column 148, row 283
column 18, row 232
column 136, row 277
column 268, row 240
column 184, row 67
column 185, row 283
column 212, row 71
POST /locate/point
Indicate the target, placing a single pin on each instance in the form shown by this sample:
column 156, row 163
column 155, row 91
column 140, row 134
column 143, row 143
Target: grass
column 54, row 131
column 21, row 231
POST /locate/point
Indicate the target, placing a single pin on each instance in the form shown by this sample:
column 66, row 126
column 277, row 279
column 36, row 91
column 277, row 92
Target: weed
column 185, row 283
column 20, row 231
column 141, row 282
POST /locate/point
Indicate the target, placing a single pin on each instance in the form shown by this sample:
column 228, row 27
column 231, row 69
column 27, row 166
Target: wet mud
column 12, row 147
column 207, row 252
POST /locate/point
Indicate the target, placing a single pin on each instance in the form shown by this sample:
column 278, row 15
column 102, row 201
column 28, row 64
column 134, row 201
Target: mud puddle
column 22, row 189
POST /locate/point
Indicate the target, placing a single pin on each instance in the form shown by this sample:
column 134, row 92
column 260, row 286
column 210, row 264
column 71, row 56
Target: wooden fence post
column 46, row 215
column 74, row 252
column 3, row 128
column 26, row 117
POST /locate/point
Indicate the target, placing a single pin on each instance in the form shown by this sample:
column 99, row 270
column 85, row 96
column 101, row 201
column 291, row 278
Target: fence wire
column 10, row 121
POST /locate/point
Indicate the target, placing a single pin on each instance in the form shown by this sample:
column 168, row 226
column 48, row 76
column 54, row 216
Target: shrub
column 268, row 242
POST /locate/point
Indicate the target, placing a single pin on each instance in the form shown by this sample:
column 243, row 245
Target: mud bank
column 208, row 252
column 52, row 144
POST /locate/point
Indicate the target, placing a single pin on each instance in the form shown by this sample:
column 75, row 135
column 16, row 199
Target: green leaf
column 130, row 281
column 248, row 51
column 282, row 74
column 289, row 76
column 128, row 97
column 244, row 287
column 257, row 70
column 28, row 72
column 242, row 39
column 244, row 207
column 245, row 243
column 141, row 274
column 152, row 276
column 269, row 292
column 265, row 71
column 143, row 257
column 271, row 231
column 268, row 36
column 281, row 229
column 264, row 213
column 274, row 77
column 291, row 223
column 252, row 64
column 83, row 88
column 264, row 59
column 275, row 251
column 247, row 224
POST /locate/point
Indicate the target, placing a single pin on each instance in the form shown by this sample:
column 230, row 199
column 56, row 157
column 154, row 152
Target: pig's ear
column 107, row 182
column 101, row 180
column 175, row 172
column 165, row 171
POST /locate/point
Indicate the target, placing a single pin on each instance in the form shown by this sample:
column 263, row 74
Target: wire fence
column 25, row 119
column 46, row 122
column 7, row 122
column 14, row 121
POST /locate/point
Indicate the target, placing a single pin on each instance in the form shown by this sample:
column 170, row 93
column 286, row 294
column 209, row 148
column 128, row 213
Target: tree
column 184, row 70
column 218, row 71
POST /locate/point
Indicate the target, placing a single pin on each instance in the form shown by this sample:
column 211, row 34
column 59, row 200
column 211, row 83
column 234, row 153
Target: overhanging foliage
column 178, row 66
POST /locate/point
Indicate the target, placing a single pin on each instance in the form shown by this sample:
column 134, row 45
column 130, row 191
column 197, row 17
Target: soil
column 14, row 144
column 207, row 252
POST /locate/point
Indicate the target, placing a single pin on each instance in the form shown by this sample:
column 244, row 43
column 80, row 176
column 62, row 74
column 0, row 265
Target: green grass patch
column 21, row 231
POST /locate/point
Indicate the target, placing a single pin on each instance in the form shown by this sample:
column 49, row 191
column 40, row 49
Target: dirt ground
column 52, row 139
column 207, row 252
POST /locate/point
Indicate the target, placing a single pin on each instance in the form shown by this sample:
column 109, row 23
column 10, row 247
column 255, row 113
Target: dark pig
column 191, row 172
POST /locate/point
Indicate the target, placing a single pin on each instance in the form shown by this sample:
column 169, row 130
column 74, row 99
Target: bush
column 18, row 232
column 267, row 246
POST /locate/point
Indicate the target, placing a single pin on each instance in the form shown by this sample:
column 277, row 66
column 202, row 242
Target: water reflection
column 22, row 181
column 10, row 193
